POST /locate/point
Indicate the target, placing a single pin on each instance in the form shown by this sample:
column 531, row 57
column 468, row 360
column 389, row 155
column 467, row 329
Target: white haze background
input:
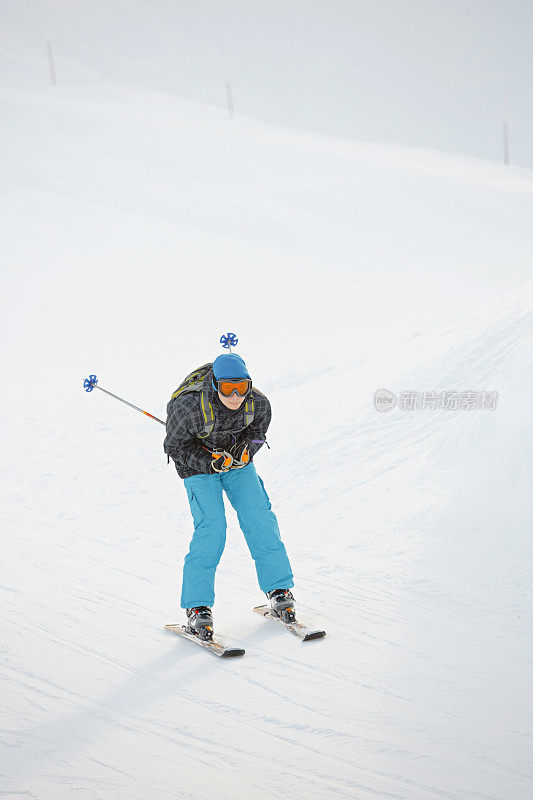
column 329, row 228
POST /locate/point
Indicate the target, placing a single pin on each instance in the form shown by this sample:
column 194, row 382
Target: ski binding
column 214, row 645
column 299, row 629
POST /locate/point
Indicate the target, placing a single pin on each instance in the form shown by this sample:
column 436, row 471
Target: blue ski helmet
column 230, row 367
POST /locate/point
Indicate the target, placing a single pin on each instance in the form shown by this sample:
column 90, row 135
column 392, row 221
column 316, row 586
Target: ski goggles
column 228, row 388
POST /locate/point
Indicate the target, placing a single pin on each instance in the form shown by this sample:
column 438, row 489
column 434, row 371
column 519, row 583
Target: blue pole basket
column 228, row 340
column 90, row 382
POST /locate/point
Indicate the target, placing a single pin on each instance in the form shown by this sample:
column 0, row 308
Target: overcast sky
column 426, row 73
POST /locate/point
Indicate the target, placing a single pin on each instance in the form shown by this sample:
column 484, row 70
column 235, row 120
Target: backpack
column 195, row 382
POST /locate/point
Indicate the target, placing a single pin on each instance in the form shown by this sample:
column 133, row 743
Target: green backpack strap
column 194, row 382
column 208, row 415
column 249, row 411
column 249, row 407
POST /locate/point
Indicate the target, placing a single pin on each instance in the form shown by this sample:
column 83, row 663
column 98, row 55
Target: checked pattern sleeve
column 184, row 421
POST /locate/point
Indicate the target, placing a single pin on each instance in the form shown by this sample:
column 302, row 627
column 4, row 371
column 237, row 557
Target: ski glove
column 221, row 461
column 241, row 455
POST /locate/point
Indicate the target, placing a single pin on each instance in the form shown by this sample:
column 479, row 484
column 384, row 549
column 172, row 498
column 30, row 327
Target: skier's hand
column 222, row 461
column 241, row 456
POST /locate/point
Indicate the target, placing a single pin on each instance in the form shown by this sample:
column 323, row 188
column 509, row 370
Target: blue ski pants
column 258, row 522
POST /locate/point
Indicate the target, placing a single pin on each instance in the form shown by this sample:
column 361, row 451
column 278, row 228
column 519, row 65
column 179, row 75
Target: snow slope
column 138, row 227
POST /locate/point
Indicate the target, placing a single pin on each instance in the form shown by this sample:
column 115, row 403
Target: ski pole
column 228, row 341
column 91, row 383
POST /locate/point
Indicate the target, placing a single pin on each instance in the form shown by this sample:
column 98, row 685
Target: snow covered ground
column 138, row 228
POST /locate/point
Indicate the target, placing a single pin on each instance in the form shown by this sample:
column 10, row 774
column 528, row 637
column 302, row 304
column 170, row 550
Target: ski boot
column 200, row 622
column 282, row 604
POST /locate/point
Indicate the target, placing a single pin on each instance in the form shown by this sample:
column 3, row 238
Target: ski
column 299, row 629
column 214, row 645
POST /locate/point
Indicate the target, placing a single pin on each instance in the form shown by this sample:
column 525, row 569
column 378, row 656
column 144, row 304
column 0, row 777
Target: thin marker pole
column 505, row 130
column 51, row 64
column 229, row 93
column 229, row 98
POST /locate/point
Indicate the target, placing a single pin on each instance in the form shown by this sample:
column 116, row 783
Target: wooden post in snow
column 51, row 64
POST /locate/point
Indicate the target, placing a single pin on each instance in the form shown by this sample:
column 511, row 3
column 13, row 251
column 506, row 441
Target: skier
column 216, row 423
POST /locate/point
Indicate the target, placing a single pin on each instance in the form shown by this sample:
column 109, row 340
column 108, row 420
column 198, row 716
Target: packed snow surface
column 139, row 227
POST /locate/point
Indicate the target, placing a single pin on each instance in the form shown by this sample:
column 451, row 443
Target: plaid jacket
column 185, row 421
